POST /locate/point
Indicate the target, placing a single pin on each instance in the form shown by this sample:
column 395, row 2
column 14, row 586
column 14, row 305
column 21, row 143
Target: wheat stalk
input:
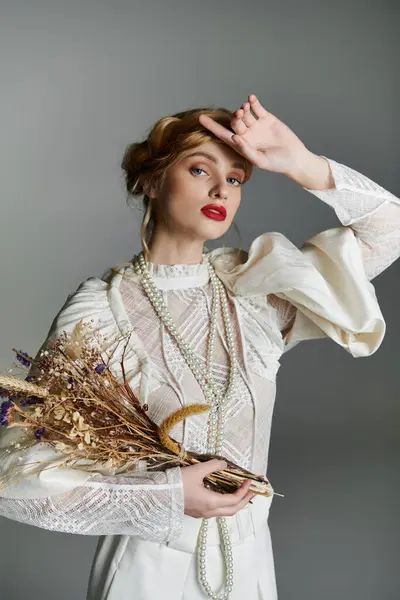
column 18, row 385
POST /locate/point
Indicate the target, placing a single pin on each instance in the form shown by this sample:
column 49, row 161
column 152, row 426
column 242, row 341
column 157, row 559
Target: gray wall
column 79, row 81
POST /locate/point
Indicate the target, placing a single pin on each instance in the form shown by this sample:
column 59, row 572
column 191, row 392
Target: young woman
column 225, row 315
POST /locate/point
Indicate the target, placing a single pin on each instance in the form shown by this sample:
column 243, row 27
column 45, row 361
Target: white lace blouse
column 278, row 295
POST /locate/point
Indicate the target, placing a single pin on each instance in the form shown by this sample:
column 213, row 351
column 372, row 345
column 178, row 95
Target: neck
column 170, row 250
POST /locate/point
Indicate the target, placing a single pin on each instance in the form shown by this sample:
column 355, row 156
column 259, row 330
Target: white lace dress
column 278, row 295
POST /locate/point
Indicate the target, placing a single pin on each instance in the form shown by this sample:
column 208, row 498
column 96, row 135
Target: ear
column 150, row 190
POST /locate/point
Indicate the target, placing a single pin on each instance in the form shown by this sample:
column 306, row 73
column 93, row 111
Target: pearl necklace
column 217, row 399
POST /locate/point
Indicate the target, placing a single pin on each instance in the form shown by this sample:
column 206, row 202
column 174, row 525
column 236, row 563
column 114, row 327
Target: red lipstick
column 214, row 211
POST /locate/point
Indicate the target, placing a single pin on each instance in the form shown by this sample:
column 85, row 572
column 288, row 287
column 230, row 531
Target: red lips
column 214, row 211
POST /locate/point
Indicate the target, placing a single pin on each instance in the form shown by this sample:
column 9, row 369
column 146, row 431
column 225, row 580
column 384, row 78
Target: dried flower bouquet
column 72, row 401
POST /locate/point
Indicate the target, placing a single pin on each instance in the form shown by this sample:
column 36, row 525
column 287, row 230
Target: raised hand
column 261, row 138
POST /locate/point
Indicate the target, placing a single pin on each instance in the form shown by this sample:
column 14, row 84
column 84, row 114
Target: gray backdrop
column 81, row 80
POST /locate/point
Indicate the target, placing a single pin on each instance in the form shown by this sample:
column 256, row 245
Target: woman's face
column 210, row 174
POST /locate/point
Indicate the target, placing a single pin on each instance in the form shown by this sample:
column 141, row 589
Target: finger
column 240, row 491
column 237, row 123
column 243, row 147
column 229, row 511
column 220, row 131
column 247, row 118
column 256, row 106
column 218, row 500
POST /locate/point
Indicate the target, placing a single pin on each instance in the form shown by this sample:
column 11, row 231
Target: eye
column 197, row 169
column 233, row 178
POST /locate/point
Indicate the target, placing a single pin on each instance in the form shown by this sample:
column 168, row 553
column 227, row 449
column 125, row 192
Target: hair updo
column 146, row 163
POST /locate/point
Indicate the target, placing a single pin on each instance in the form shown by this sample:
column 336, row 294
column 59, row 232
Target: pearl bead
column 213, row 396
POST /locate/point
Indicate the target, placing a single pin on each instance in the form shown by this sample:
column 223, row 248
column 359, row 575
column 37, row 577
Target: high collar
column 179, row 276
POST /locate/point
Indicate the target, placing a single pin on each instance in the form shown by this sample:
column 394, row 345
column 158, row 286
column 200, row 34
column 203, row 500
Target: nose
column 220, row 190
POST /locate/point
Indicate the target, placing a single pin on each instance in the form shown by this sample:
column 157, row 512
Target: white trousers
column 130, row 568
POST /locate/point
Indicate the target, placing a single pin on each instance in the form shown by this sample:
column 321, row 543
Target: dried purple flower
column 5, row 406
column 32, row 399
column 39, row 432
column 22, row 360
column 5, row 409
column 100, row 369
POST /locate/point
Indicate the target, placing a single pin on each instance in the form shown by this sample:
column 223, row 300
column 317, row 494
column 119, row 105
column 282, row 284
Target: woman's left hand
column 263, row 139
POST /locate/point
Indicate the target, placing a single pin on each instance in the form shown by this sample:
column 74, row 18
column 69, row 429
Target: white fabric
column 278, row 296
column 125, row 566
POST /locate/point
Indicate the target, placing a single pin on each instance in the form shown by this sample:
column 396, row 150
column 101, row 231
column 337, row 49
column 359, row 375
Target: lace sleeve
column 370, row 211
column 149, row 504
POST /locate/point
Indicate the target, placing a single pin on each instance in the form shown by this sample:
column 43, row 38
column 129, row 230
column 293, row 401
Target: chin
column 215, row 237
column 214, row 232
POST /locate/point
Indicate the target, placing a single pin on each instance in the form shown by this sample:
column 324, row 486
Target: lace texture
column 148, row 506
column 177, row 271
column 191, row 310
column 370, row 211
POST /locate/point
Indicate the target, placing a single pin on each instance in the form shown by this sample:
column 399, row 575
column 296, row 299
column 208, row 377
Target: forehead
column 218, row 153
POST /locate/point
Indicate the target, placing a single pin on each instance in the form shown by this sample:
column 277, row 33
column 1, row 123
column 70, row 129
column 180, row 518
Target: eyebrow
column 236, row 164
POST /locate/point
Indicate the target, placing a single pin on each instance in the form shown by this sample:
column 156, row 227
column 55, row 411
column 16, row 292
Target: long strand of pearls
column 213, row 396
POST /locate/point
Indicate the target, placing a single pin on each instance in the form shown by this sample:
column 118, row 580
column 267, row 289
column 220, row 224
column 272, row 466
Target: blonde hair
column 146, row 163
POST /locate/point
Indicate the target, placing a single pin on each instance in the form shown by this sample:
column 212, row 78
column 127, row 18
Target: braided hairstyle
column 145, row 163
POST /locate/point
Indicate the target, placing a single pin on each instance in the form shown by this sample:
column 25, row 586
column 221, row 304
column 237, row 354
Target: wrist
column 312, row 172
